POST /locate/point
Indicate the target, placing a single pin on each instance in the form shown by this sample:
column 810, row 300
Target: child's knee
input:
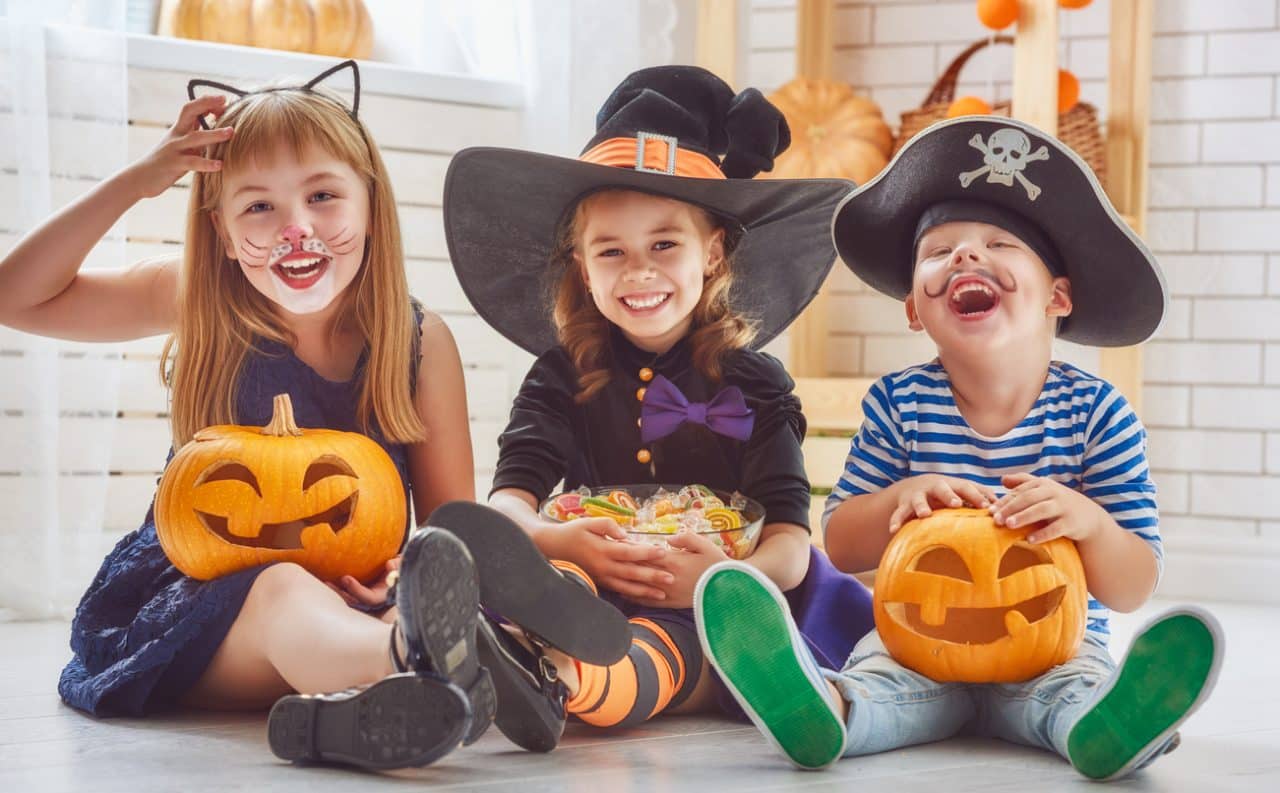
column 281, row 580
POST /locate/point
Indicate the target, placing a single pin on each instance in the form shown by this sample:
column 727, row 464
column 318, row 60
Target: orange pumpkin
column 236, row 497
column 1068, row 90
column 958, row 598
column 325, row 27
column 997, row 14
column 834, row 132
column 968, row 106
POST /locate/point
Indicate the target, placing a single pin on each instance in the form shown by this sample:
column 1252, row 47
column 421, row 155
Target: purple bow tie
column 665, row 408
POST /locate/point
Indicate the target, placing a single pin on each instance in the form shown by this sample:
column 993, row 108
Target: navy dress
column 144, row 632
column 550, row 436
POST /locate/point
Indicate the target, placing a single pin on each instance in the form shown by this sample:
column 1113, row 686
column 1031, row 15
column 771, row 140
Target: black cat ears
column 193, row 87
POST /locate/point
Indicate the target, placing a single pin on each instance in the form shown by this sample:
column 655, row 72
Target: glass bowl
column 617, row 501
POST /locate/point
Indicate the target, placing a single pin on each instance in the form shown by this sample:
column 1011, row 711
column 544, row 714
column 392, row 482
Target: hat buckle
column 642, row 140
column 1005, row 156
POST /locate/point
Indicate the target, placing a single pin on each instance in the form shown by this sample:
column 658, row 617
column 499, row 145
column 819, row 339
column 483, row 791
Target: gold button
column 640, row 394
column 643, row 456
column 646, row 374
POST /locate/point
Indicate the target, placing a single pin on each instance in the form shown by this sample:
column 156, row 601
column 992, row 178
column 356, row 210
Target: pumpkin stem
column 281, row 418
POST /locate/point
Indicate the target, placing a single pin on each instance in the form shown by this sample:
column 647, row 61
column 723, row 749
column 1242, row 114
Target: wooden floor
column 1232, row 744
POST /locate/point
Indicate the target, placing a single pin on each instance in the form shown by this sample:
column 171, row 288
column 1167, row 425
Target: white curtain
column 568, row 54
column 63, row 128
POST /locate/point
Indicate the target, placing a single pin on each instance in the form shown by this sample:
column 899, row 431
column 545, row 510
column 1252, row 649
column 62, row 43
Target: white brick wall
column 1212, row 391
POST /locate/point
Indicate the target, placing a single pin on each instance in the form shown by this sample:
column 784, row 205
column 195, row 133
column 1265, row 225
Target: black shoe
column 517, row 582
column 530, row 695
column 399, row 721
column 438, row 597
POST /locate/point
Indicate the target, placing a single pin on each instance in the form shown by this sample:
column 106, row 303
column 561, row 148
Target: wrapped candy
column 653, row 514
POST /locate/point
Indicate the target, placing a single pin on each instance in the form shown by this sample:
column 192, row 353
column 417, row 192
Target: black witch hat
column 673, row 131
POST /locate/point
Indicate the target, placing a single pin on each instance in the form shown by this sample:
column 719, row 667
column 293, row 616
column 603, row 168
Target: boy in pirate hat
column 645, row 275
column 996, row 236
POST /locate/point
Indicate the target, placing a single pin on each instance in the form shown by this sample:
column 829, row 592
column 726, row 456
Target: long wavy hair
column 584, row 332
column 221, row 315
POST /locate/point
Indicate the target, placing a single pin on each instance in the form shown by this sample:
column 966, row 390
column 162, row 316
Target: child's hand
column 692, row 554
column 355, row 592
column 181, row 150
column 920, row 495
column 1035, row 499
column 600, row 546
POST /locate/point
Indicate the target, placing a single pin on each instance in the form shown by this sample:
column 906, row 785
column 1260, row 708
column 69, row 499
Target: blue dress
column 144, row 632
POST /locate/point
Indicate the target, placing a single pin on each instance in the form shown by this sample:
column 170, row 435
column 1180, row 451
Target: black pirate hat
column 673, row 131
column 1003, row 171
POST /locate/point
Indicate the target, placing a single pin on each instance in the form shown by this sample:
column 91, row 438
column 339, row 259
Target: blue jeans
column 891, row 706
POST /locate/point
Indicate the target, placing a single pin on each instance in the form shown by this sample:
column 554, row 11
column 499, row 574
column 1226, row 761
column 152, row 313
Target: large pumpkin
column 236, row 497
column 958, row 598
column 325, row 27
column 834, row 132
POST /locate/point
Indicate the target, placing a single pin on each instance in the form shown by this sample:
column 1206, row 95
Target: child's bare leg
column 293, row 634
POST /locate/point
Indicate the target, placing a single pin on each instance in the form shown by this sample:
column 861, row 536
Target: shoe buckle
column 548, row 669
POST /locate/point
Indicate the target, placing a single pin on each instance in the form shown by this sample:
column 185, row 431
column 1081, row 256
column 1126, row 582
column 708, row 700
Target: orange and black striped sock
column 574, row 573
column 660, row 671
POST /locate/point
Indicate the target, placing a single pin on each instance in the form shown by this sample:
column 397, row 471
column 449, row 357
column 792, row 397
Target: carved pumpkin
column 833, row 132
column 236, row 497
column 958, row 598
column 326, row 27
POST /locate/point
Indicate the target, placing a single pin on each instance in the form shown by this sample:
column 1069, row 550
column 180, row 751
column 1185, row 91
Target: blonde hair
column 220, row 314
column 584, row 332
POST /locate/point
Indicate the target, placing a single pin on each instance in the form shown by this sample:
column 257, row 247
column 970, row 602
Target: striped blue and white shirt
column 1080, row 432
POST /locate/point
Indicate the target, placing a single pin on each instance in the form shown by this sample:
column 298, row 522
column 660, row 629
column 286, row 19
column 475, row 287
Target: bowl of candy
column 653, row 513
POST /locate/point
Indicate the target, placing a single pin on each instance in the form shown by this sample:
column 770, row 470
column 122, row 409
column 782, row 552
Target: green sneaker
column 748, row 635
column 1169, row 670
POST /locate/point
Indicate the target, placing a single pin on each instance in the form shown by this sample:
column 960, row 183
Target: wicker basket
column 1078, row 127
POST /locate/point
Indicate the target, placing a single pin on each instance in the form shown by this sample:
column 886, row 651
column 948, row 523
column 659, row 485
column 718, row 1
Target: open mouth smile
column 972, row 298
column 287, row 535
column 645, row 303
column 300, row 271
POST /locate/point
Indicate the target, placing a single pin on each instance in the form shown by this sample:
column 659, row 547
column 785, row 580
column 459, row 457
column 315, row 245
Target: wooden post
column 815, row 46
column 1128, row 117
column 716, row 48
column 1035, row 64
column 815, row 38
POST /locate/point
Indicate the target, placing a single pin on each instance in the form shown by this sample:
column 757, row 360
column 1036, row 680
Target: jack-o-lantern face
column 237, row 497
column 958, row 598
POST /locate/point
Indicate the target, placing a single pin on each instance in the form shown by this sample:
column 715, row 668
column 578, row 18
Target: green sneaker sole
column 1168, row 672
column 748, row 637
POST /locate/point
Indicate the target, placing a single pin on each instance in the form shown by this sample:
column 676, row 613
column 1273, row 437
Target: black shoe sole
column 517, row 582
column 438, row 582
column 400, row 721
column 525, row 715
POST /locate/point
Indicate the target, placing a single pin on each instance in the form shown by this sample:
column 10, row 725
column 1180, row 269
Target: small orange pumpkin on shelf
column 958, row 598
column 997, row 14
column 834, row 132
column 236, row 497
column 340, row 28
column 968, row 106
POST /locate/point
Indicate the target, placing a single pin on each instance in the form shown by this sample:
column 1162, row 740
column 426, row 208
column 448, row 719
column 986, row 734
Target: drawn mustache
column 1011, row 286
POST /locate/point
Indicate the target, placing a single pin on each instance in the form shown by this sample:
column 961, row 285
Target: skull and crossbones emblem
column 1004, row 156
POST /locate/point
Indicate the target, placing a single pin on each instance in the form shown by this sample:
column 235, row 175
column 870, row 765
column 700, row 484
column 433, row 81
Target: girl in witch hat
column 292, row 281
column 998, row 238
column 645, row 275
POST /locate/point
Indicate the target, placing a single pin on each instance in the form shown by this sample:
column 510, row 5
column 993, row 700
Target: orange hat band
column 654, row 153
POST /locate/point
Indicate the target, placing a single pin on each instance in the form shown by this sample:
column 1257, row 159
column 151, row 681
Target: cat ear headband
column 308, row 87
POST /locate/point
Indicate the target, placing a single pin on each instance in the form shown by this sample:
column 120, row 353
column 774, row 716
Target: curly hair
column 584, row 332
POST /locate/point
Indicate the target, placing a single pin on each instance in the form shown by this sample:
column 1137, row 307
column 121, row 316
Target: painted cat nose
column 293, row 234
